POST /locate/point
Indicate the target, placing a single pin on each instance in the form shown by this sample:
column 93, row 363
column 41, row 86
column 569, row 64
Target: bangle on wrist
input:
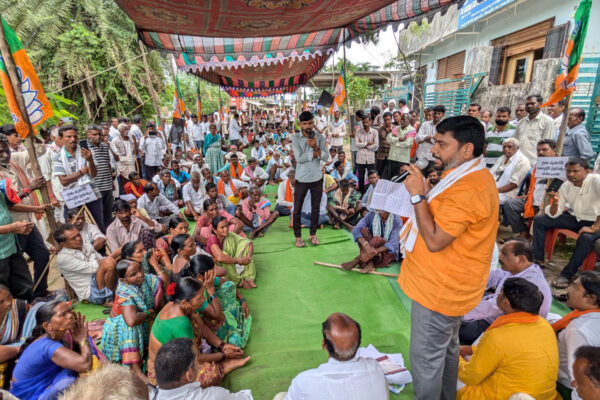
column 83, row 343
column 220, row 346
column 26, row 191
column 242, row 300
column 223, row 356
column 211, row 298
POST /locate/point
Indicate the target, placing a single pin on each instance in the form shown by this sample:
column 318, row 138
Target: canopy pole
column 15, row 82
column 221, row 117
column 563, row 126
column 346, row 83
column 181, row 112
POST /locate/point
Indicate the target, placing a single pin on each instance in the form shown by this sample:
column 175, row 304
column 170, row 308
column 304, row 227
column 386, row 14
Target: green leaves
column 84, row 52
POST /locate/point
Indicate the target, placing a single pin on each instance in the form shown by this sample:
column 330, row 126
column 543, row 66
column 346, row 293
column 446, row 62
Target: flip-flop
column 561, row 283
column 300, row 244
column 315, row 241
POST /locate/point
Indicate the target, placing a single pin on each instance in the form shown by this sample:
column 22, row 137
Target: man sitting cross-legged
column 516, row 354
column 156, row 204
column 177, row 369
column 345, row 206
column 222, row 201
column 586, row 372
column 128, row 225
column 377, row 237
column 516, row 259
column 254, row 175
column 193, row 193
column 89, row 275
column 255, row 213
column 229, row 187
column 89, row 232
column 344, row 376
column 135, row 186
column 285, row 195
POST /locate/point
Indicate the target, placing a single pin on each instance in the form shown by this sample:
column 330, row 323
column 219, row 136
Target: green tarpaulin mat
column 294, row 297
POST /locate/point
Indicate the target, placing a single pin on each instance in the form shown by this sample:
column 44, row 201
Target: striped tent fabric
column 288, row 73
column 258, row 44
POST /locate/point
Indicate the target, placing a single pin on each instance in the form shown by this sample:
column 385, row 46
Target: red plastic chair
column 563, row 234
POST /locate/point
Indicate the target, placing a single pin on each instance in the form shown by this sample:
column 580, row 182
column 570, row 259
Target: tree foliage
column 358, row 89
column 73, row 45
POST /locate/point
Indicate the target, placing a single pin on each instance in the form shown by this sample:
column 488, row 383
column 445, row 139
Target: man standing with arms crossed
column 447, row 258
column 310, row 149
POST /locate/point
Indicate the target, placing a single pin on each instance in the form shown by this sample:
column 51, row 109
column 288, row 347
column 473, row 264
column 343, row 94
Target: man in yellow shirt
column 448, row 247
column 516, row 354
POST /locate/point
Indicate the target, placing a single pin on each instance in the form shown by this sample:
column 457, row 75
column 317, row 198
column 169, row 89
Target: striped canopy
column 246, row 43
column 287, row 73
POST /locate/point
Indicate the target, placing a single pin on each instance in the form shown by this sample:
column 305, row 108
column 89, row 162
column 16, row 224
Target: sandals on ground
column 561, row 283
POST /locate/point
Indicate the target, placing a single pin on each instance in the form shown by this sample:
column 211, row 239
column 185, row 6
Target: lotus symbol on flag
column 34, row 106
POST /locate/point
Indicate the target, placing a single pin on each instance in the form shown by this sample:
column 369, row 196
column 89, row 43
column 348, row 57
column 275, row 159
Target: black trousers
column 380, row 166
column 33, row 245
column 107, row 207
column 361, row 169
column 469, row 331
column 282, row 210
column 151, row 170
column 316, row 192
column 14, row 273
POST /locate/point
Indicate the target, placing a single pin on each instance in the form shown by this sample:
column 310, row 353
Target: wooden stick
column 355, row 269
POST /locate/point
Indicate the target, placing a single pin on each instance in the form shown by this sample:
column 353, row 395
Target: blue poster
column 473, row 10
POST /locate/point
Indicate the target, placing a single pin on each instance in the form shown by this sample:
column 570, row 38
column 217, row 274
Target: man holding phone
column 74, row 166
column 310, row 148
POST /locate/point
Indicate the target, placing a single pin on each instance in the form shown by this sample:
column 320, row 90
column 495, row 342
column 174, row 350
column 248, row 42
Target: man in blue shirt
column 179, row 174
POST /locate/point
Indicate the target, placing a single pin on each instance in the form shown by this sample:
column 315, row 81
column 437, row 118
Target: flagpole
column 346, row 84
column 563, row 126
column 14, row 79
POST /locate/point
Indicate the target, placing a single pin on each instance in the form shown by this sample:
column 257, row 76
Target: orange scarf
column 235, row 172
column 221, row 187
column 289, row 197
column 564, row 321
column 513, row 318
column 529, row 212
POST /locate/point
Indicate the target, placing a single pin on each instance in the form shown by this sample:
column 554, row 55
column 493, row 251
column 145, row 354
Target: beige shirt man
column 530, row 131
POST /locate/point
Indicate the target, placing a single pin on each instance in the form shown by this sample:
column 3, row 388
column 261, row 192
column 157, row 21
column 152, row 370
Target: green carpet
column 294, row 297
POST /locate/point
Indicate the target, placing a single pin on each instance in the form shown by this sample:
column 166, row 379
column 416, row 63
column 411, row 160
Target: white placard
column 551, row 167
column 79, row 195
column 391, row 197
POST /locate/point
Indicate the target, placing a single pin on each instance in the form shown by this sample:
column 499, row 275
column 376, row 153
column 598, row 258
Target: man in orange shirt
column 447, row 258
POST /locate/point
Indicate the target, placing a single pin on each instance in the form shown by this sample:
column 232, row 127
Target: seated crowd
column 177, row 320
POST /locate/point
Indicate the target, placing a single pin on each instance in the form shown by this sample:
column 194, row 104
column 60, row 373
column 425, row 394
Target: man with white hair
column 510, row 169
column 124, row 149
column 274, row 168
column 343, row 376
column 391, row 106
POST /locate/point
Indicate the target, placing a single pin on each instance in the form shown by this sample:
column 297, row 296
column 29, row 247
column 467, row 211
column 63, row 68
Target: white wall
column 509, row 20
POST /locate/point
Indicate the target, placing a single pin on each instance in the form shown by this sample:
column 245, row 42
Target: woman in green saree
column 227, row 314
column 232, row 252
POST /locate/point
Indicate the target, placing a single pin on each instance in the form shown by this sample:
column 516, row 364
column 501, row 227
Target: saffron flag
column 339, row 93
column 566, row 82
column 38, row 106
column 178, row 105
column 198, row 99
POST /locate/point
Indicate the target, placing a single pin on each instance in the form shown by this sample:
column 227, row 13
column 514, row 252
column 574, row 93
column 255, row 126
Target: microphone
column 401, row 177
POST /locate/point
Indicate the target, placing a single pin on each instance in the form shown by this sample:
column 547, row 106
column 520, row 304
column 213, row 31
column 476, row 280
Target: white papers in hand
column 391, row 197
column 401, row 378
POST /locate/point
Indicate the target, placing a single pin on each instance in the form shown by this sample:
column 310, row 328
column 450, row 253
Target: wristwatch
column 417, row 198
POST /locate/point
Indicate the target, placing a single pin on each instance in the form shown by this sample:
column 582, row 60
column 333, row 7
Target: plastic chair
column 563, row 234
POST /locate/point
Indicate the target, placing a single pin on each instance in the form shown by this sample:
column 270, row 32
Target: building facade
column 496, row 52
